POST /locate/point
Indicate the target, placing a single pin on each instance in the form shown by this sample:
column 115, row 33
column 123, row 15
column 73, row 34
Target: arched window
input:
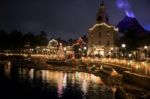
column 99, row 18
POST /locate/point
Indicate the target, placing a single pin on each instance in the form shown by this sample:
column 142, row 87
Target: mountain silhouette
column 129, row 23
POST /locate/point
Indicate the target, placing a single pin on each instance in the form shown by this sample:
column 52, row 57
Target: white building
column 102, row 36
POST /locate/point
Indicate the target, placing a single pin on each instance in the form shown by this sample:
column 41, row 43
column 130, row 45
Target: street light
column 85, row 48
column 145, row 49
column 111, row 48
column 123, row 47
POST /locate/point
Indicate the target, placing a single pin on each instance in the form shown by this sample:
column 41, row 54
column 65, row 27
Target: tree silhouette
column 41, row 39
column 16, row 40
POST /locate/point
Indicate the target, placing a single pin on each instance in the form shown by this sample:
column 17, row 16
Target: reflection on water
column 65, row 84
column 60, row 78
column 7, row 69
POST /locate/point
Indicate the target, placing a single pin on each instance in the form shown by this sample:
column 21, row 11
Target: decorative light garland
column 103, row 24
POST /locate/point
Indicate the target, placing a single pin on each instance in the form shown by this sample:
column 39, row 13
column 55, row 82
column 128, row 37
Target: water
column 26, row 83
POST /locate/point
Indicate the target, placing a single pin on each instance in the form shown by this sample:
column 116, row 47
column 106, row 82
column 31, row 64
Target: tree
column 16, row 39
column 4, row 40
column 131, row 39
column 41, row 39
column 70, row 41
column 28, row 40
column 85, row 39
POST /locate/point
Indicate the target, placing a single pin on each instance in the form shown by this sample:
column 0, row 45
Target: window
column 99, row 34
column 107, row 43
column 99, row 18
column 91, row 34
column 99, row 42
column 108, row 34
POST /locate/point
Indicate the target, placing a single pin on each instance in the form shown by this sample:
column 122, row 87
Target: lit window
column 108, row 34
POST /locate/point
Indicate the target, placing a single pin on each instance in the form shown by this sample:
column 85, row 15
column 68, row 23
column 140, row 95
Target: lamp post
column 145, row 51
column 85, row 50
column 123, row 49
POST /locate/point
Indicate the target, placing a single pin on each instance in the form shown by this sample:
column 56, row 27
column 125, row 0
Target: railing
column 135, row 66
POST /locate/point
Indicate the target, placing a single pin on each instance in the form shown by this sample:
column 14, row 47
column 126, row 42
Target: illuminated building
column 102, row 35
column 52, row 46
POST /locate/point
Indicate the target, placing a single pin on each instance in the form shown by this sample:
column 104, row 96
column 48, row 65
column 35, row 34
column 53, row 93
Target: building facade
column 102, row 36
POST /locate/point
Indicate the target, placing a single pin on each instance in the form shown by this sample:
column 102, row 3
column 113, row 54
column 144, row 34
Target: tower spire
column 102, row 15
column 102, row 2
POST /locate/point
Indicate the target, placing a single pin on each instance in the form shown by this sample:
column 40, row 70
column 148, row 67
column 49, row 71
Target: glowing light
column 130, row 55
column 102, row 53
column 31, row 49
column 103, row 24
column 112, row 48
column 52, row 43
column 7, row 69
column 123, row 45
column 129, row 13
column 85, row 48
column 145, row 47
column 65, row 80
column 84, row 86
column 114, row 73
column 95, row 52
column 120, row 4
column 80, row 49
column 31, row 73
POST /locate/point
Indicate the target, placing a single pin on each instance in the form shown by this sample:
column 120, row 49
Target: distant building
column 52, row 46
column 102, row 35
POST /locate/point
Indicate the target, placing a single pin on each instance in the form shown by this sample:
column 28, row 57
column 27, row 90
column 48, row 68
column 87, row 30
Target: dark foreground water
column 22, row 83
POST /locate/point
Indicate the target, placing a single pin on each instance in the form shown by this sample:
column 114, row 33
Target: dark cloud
column 63, row 18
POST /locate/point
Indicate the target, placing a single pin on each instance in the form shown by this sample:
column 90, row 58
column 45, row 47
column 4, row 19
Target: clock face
column 99, row 18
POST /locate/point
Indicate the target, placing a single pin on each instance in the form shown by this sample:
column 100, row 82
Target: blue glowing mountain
column 130, row 23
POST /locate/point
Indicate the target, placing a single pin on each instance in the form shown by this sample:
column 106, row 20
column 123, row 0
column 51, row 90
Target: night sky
column 64, row 18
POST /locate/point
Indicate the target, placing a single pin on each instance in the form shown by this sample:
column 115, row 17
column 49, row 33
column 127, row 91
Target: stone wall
column 118, row 68
column 136, row 79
